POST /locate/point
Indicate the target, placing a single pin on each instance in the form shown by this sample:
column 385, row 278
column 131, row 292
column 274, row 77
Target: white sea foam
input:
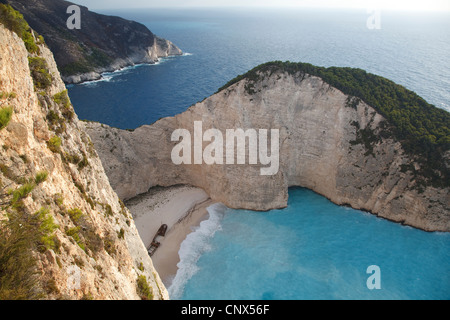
column 108, row 76
column 191, row 249
column 105, row 77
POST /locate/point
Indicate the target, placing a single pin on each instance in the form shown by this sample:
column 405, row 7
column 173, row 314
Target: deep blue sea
column 313, row 249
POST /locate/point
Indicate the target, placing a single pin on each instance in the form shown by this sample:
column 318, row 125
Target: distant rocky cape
column 331, row 142
column 103, row 44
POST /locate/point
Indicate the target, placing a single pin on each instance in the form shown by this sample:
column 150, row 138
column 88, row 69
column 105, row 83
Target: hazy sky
column 416, row 5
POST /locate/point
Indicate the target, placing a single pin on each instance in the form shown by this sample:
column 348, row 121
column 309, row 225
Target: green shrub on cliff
column 19, row 275
column 54, row 144
column 21, row 234
column 21, row 193
column 47, row 227
column 75, row 234
column 40, row 177
column 63, row 100
column 75, row 215
column 143, row 288
column 5, row 116
column 14, row 21
column 39, row 71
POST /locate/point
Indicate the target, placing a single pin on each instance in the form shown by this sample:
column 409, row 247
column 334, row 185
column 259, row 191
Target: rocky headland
column 330, row 141
column 102, row 44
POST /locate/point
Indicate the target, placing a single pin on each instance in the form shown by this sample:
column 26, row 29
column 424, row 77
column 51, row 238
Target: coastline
column 99, row 74
column 166, row 258
column 181, row 208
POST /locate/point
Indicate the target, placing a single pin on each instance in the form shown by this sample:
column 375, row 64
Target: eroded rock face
column 109, row 252
column 320, row 148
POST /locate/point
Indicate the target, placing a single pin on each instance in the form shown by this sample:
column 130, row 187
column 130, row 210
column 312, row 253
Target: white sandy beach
column 181, row 208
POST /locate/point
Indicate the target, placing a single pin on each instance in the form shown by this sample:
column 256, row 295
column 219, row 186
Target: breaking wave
column 193, row 247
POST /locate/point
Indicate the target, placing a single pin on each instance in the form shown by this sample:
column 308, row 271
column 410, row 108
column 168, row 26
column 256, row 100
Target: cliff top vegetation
column 421, row 128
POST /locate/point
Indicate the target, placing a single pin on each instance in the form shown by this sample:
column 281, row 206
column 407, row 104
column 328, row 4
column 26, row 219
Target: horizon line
column 317, row 7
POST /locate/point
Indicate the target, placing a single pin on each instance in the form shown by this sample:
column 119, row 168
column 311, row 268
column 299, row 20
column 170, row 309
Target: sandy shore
column 181, row 208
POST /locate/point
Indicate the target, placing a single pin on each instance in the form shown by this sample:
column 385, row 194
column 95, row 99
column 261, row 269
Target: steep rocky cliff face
column 322, row 147
column 102, row 44
column 88, row 246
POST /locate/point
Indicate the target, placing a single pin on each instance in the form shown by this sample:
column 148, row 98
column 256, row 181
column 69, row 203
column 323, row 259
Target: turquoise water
column 313, row 249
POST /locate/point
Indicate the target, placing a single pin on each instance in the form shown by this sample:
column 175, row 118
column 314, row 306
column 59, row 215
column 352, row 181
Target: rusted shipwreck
column 156, row 239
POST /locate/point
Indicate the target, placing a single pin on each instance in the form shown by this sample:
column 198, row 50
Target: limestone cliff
column 52, row 180
column 102, row 44
column 322, row 147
